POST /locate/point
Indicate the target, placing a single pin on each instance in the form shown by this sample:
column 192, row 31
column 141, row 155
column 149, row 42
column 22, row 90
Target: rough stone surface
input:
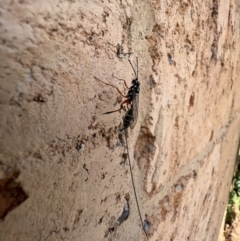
column 71, row 159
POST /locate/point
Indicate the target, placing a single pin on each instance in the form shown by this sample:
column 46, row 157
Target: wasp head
column 135, row 82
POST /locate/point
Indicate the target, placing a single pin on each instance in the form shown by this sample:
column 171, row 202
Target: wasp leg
column 121, row 107
column 128, row 105
column 121, row 80
column 125, row 96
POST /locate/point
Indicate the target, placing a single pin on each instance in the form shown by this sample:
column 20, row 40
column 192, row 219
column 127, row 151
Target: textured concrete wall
column 63, row 168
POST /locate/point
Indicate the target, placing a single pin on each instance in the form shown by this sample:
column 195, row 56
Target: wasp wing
column 134, row 107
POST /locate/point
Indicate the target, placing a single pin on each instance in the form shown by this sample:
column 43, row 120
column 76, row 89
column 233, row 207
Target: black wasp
column 132, row 100
column 130, row 118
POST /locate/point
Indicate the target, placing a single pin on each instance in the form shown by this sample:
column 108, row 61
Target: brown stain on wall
column 11, row 193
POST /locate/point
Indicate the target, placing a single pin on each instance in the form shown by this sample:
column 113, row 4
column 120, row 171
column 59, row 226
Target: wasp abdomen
column 127, row 119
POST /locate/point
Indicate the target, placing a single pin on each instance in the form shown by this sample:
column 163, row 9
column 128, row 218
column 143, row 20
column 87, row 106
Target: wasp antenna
column 132, row 68
column 137, row 66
